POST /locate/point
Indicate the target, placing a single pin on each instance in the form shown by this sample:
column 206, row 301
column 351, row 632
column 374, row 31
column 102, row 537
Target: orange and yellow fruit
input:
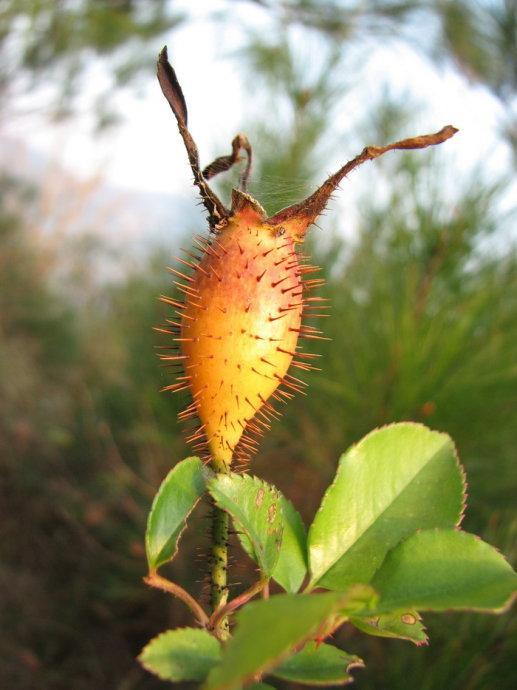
column 238, row 325
column 238, row 328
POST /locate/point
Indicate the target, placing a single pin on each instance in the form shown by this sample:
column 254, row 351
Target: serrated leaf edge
column 266, row 668
column 417, row 643
column 494, row 612
column 362, row 440
column 208, row 474
column 155, row 639
column 260, row 484
column 357, row 662
column 305, row 550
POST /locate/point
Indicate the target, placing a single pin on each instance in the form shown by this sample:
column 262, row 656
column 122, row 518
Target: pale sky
column 145, row 153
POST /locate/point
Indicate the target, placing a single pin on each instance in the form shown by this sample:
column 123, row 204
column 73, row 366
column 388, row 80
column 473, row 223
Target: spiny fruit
column 239, row 328
column 245, row 293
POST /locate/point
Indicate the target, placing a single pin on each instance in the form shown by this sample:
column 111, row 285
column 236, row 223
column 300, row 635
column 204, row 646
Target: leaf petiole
column 159, row 582
column 236, row 603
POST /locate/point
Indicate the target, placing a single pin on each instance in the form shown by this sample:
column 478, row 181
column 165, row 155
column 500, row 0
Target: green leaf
column 182, row 654
column 319, row 665
column 396, row 480
column 401, row 626
column 444, row 569
column 291, row 567
column 175, row 500
column 259, row 686
column 255, row 509
column 268, row 630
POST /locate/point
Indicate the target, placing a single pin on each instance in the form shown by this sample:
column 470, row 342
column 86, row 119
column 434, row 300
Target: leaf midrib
column 378, row 516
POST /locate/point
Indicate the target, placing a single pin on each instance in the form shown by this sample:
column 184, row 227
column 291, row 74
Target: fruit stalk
column 219, row 569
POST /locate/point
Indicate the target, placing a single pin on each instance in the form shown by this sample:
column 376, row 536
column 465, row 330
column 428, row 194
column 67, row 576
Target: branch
column 310, row 208
column 159, row 582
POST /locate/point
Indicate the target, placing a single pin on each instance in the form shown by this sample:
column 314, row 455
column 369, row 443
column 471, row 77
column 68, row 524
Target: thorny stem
column 236, row 603
column 159, row 582
column 218, row 575
column 219, row 559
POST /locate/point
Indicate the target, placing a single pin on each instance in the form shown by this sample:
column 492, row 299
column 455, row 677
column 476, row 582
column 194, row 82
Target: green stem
column 218, row 575
column 219, row 556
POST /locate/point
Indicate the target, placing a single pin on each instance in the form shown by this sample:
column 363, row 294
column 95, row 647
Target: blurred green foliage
column 423, row 327
column 53, row 43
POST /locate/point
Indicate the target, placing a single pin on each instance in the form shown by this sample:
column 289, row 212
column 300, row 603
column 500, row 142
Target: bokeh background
column 418, row 250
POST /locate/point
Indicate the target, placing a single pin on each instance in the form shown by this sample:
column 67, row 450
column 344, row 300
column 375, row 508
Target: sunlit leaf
column 402, row 626
column 396, row 480
column 175, row 500
column 318, row 665
column 256, row 511
column 291, row 567
column 182, row 654
column 269, row 630
column 438, row 570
